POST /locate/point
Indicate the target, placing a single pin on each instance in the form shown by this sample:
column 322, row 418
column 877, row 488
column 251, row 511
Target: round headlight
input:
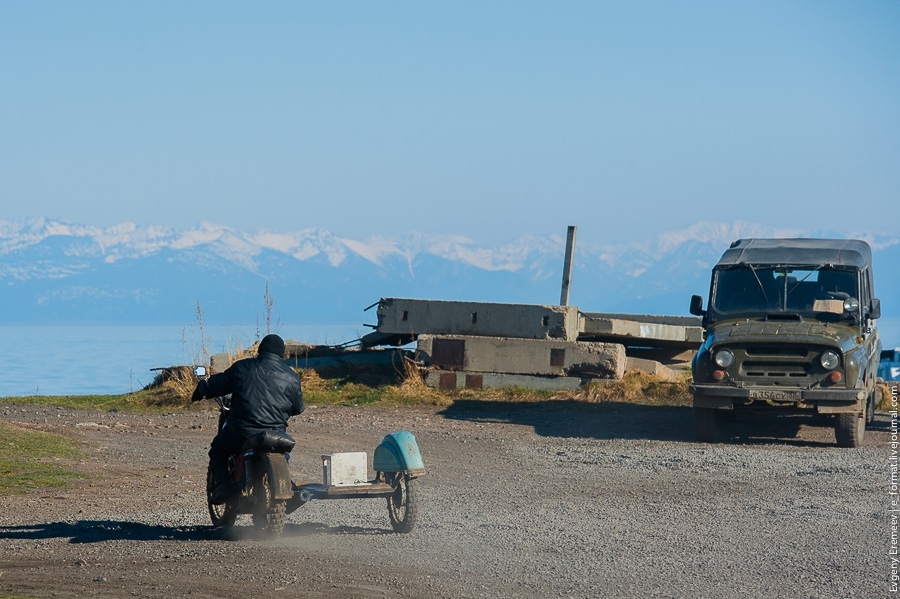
column 851, row 304
column 829, row 360
column 724, row 358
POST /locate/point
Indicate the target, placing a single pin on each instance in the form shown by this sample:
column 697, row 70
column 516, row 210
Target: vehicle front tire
column 849, row 429
column 707, row 425
column 874, row 400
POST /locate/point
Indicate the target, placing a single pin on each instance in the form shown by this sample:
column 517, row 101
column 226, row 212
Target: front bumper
column 824, row 401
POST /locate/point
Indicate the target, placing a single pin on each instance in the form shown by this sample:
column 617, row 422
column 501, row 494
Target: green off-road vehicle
column 790, row 327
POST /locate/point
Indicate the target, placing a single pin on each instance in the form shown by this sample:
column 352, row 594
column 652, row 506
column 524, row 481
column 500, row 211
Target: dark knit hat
column 272, row 344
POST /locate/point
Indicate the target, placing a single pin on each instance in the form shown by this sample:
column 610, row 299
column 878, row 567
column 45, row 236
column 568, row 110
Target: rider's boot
column 221, row 488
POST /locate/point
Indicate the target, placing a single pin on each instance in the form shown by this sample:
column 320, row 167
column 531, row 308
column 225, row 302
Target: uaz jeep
column 790, row 327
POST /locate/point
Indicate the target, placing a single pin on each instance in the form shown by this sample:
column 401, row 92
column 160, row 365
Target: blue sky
column 485, row 119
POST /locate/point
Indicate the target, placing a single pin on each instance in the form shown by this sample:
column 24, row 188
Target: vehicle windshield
column 788, row 289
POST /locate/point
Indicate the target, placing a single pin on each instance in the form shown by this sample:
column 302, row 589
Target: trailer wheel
column 403, row 503
column 849, row 429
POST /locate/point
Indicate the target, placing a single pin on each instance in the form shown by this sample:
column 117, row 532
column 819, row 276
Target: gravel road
column 555, row 499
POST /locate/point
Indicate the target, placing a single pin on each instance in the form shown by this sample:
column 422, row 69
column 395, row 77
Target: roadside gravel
column 555, row 499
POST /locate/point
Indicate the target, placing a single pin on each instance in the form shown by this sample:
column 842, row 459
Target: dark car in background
column 790, row 327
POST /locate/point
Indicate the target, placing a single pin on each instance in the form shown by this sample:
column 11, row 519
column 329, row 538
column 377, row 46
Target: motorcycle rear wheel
column 269, row 514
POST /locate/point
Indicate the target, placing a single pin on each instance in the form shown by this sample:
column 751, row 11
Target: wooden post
column 567, row 267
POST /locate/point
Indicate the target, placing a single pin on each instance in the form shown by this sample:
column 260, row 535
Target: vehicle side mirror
column 875, row 309
column 697, row 306
column 200, row 371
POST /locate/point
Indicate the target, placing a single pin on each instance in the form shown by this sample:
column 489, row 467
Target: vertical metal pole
column 567, row 267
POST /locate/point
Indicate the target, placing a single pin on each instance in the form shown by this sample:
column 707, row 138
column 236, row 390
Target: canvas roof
column 853, row 253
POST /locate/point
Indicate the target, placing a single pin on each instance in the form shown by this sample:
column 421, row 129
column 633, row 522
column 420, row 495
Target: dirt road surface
column 554, row 499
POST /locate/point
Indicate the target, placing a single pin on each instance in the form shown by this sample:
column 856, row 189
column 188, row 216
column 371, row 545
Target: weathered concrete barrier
column 401, row 321
column 454, row 379
column 644, row 330
column 522, row 356
column 492, row 342
column 651, row 367
column 413, row 317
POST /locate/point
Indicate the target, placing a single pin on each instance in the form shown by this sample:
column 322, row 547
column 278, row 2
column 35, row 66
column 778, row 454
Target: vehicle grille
column 774, row 369
column 779, row 364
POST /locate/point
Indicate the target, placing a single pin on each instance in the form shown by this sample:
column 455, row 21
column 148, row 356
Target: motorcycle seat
column 270, row 442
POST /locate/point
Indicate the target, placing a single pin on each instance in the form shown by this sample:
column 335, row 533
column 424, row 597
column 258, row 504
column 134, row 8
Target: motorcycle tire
column 223, row 515
column 269, row 514
column 403, row 503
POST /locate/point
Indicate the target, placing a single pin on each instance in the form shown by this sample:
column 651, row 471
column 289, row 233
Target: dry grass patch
column 886, row 395
column 413, row 390
column 637, row 387
column 172, row 387
column 404, row 386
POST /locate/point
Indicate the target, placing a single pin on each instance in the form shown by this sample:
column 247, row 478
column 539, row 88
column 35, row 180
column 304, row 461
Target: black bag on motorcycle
column 270, row 442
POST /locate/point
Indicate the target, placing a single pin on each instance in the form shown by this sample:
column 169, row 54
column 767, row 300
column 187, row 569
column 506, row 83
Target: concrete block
column 522, row 356
column 652, row 367
column 447, row 379
column 219, row 363
column 642, row 329
column 397, row 316
column 343, row 469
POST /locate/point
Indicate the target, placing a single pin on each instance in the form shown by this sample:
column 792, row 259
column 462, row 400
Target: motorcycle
column 262, row 485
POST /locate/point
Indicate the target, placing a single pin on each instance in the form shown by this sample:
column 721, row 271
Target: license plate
column 775, row 394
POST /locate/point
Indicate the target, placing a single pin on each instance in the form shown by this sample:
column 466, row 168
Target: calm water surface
column 110, row 359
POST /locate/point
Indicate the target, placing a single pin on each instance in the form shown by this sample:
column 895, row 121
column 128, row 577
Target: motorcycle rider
column 265, row 393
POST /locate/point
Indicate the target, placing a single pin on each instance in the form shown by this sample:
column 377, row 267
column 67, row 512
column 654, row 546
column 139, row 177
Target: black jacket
column 265, row 393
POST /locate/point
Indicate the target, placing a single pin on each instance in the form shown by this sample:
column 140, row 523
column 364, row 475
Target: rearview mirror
column 697, row 306
column 200, row 371
column 875, row 309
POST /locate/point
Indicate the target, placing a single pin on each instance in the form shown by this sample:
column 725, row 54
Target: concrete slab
column 446, row 379
column 411, row 317
column 642, row 329
column 522, row 356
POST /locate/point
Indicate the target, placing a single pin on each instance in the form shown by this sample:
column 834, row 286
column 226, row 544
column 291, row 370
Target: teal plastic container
column 398, row 452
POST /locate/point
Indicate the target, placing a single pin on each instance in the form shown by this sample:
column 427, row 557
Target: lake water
column 112, row 359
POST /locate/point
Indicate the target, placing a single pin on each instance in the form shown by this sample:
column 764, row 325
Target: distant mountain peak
column 58, row 268
column 127, row 240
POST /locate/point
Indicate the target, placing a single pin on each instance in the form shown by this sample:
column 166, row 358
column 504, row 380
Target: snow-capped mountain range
column 59, row 272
